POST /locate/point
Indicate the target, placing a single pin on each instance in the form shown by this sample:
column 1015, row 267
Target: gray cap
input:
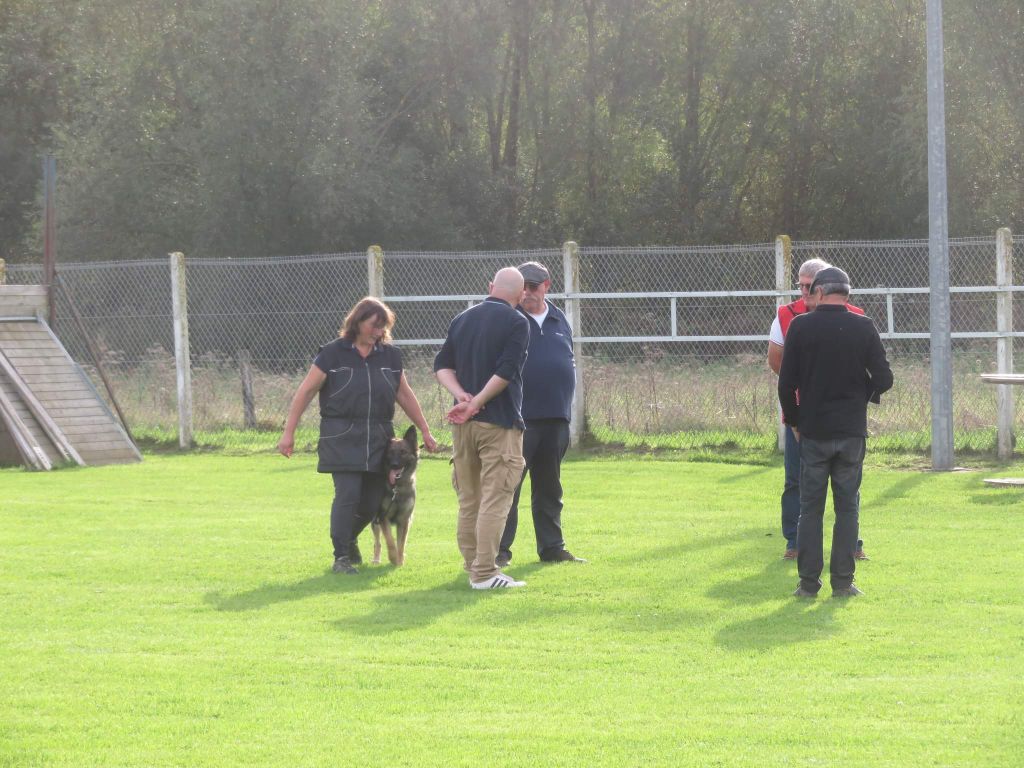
column 830, row 275
column 534, row 272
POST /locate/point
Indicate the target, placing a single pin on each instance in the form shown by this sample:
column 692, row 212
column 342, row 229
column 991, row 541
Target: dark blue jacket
column 549, row 376
column 487, row 340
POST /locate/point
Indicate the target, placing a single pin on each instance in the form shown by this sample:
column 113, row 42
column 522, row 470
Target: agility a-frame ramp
column 50, row 412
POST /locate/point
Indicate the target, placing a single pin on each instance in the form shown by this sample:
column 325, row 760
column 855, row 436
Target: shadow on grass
column 408, row 611
column 796, row 620
column 270, row 594
column 999, row 497
column 896, row 491
column 751, row 473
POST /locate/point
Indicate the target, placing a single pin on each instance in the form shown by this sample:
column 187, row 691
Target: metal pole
column 182, row 356
column 571, row 285
column 50, row 233
column 938, row 249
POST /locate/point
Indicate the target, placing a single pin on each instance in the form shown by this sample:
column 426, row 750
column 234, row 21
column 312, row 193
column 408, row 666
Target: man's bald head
column 507, row 285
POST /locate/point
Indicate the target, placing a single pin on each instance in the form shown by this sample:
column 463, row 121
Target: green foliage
column 181, row 611
column 248, row 127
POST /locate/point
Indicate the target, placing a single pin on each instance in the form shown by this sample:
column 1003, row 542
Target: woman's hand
column 286, row 445
column 429, row 442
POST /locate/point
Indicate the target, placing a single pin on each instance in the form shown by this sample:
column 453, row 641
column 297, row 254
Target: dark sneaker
column 344, row 565
column 502, row 560
column 354, row 555
column 850, row 591
column 790, row 554
column 562, row 556
column 801, row 592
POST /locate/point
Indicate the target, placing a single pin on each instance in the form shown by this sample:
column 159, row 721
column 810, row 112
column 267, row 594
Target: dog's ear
column 410, row 437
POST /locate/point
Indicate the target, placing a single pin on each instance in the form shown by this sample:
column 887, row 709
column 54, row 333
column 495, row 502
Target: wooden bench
column 1004, row 378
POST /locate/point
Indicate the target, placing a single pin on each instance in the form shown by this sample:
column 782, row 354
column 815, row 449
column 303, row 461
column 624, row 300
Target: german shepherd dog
column 399, row 500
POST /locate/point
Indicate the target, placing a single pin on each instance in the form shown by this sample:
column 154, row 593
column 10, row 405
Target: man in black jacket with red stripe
column 836, row 360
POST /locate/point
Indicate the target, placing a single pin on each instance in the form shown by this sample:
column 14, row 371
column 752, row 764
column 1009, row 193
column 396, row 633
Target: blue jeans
column 842, row 461
column 791, row 490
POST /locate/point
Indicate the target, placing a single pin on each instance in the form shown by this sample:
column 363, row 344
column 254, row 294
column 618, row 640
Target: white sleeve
column 775, row 334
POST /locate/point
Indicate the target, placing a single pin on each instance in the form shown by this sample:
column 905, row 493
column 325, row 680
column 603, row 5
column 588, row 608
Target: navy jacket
column 549, row 376
column 357, row 406
column 489, row 339
column 836, row 360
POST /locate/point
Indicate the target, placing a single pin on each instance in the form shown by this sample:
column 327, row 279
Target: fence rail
column 670, row 341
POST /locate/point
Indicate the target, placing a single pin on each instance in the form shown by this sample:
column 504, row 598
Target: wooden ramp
column 50, row 412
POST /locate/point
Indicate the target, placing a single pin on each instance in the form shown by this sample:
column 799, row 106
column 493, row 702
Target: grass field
column 181, row 612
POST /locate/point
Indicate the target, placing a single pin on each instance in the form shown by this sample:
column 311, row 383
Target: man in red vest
column 776, row 340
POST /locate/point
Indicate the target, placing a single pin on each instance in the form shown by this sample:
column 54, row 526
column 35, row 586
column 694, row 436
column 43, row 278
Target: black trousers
column 841, row 461
column 357, row 497
column 544, row 445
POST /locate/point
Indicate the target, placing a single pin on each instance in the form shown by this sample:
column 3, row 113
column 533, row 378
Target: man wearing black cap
column 549, row 381
column 836, row 360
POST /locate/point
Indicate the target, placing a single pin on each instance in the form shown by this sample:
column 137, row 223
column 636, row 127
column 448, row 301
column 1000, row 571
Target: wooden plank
column 83, row 433
column 26, row 346
column 61, row 378
column 75, row 388
column 99, row 417
column 45, row 421
column 31, row 452
column 63, row 414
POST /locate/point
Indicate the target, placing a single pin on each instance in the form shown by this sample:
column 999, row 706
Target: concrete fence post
column 571, row 273
column 182, row 359
column 3, row 272
column 783, row 276
column 1004, row 344
column 375, row 271
column 248, row 399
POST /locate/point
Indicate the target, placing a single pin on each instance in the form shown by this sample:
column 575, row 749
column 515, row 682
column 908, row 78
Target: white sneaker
column 498, row 581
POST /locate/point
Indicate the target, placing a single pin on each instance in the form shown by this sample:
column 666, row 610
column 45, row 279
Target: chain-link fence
column 672, row 341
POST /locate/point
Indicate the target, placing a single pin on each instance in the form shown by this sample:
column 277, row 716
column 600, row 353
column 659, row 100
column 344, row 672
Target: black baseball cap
column 832, row 275
column 534, row 272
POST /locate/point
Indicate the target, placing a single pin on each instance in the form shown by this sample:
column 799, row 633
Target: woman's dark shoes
column 344, row 565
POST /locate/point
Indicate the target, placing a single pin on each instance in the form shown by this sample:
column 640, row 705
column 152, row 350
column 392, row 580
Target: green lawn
column 182, row 612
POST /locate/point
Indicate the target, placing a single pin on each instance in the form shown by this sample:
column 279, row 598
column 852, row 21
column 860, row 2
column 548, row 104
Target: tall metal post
column 182, row 355
column 50, row 233
column 783, row 276
column 1004, row 344
column 938, row 248
column 571, row 285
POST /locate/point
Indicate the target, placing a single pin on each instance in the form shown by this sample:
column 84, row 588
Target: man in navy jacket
column 481, row 365
column 549, row 382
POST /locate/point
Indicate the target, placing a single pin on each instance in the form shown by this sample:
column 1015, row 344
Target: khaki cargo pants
column 487, row 467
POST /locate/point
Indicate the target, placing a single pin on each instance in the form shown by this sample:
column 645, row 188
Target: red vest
column 799, row 307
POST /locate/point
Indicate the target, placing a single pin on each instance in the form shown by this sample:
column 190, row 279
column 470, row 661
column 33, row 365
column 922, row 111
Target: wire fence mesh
column 672, row 340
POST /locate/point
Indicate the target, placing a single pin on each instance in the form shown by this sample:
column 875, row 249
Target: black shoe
column 502, row 560
column 562, row 556
column 354, row 555
column 850, row 591
column 344, row 565
column 801, row 592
